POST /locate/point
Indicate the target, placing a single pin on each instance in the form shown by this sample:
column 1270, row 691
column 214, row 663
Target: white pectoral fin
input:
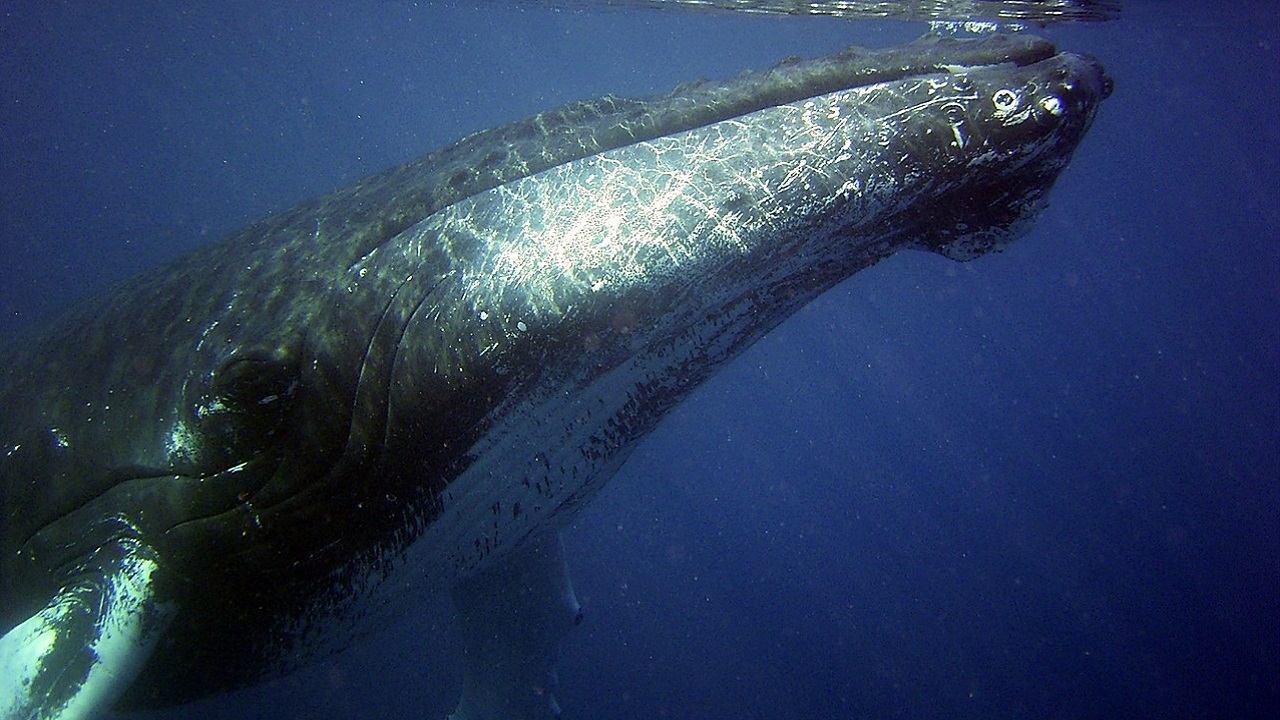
column 512, row 618
column 74, row 657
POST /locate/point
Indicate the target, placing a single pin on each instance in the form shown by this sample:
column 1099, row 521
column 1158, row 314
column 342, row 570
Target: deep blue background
column 1045, row 484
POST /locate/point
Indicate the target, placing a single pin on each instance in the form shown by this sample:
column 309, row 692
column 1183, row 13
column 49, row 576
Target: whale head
column 558, row 313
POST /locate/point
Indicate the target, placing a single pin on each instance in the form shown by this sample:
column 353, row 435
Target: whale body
column 246, row 458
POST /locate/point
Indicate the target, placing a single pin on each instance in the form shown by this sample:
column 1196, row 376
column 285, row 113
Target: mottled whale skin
column 244, row 459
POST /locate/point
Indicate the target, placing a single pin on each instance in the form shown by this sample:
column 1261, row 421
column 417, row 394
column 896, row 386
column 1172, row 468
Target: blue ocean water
column 1045, row 484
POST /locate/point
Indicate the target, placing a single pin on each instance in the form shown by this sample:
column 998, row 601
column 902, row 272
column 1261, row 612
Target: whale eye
column 245, row 403
column 1006, row 101
column 246, row 382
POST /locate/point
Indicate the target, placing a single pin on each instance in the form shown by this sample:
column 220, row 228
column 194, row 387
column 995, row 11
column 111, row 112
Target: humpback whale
column 246, row 458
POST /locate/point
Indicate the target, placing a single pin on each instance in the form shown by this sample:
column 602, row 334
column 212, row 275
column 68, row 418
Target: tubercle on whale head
column 1030, row 122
